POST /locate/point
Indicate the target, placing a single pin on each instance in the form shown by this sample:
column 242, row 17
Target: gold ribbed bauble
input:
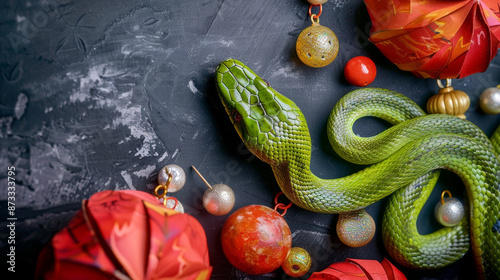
column 449, row 101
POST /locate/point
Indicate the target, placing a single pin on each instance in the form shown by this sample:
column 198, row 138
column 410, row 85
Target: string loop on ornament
column 161, row 190
column 314, row 20
column 280, row 205
column 315, row 16
column 448, row 83
column 443, row 193
column 167, row 198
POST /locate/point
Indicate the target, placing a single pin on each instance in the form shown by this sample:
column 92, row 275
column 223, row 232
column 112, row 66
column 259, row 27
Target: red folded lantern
column 355, row 269
column 437, row 38
column 126, row 235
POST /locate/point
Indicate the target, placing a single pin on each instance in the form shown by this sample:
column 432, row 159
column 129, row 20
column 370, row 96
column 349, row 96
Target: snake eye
column 236, row 116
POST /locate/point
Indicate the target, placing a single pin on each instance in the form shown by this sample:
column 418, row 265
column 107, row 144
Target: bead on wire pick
column 218, row 199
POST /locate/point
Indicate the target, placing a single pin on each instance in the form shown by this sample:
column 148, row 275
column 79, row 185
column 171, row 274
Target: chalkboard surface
column 99, row 95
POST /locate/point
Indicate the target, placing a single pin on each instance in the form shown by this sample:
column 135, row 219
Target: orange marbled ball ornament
column 256, row 239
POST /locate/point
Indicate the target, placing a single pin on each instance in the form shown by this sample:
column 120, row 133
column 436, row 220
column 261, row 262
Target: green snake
column 405, row 159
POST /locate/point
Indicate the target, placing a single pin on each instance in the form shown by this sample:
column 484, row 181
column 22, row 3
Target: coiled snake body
column 405, row 160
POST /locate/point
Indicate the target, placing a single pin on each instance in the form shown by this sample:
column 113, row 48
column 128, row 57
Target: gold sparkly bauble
column 297, row 263
column 355, row 229
column 317, row 45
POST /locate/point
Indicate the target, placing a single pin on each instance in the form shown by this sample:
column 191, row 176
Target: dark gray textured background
column 99, row 95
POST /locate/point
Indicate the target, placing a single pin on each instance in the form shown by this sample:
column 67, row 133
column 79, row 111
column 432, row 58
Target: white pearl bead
column 178, row 177
column 450, row 213
column 218, row 200
column 489, row 101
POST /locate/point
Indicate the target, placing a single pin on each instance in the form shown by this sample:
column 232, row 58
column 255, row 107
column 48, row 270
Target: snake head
column 264, row 119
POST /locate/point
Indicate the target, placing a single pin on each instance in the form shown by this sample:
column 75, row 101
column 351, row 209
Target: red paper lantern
column 126, row 235
column 355, row 269
column 437, row 38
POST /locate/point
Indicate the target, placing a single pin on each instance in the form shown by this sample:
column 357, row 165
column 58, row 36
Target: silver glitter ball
column 450, row 213
column 219, row 200
column 489, row 101
column 178, row 177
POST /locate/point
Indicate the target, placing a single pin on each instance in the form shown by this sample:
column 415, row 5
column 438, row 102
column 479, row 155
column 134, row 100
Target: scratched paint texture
column 98, row 95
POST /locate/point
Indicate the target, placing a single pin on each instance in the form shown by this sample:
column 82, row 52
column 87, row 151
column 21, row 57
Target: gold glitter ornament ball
column 317, row 46
column 297, row 263
column 355, row 229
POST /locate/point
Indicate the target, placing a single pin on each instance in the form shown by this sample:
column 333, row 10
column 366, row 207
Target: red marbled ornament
column 256, row 239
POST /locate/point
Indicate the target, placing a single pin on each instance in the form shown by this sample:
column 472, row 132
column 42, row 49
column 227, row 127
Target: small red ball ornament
column 256, row 239
column 360, row 71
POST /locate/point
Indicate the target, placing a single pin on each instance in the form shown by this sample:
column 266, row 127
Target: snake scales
column 405, row 159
